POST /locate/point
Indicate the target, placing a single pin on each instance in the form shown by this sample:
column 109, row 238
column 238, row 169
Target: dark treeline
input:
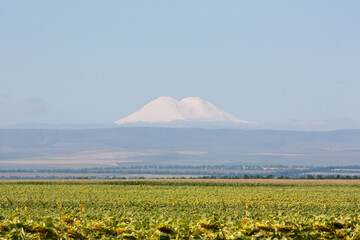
column 203, row 171
column 271, row 176
column 245, row 176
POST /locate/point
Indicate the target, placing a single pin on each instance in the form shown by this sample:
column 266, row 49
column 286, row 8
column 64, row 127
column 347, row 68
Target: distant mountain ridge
column 191, row 109
column 49, row 126
column 176, row 146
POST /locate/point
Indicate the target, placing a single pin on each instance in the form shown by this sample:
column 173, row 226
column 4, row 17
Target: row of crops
column 148, row 210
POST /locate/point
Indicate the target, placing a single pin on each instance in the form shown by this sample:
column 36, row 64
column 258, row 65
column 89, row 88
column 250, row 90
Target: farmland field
column 188, row 209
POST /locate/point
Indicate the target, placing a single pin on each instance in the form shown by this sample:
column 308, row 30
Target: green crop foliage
column 177, row 210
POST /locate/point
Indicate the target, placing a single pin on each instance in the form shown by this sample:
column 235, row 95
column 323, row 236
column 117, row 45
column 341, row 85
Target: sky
column 282, row 64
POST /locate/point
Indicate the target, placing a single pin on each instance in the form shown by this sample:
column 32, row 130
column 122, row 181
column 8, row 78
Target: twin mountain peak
column 191, row 109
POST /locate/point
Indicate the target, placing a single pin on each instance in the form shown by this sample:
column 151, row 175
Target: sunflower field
column 178, row 210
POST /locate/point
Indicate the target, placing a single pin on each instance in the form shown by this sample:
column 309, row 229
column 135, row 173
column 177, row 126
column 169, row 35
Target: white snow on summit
column 168, row 109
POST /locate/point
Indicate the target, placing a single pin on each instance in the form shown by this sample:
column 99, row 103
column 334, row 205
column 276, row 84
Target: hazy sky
column 274, row 62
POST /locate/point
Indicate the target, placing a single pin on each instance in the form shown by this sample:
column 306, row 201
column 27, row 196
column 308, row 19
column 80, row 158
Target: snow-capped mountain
column 191, row 109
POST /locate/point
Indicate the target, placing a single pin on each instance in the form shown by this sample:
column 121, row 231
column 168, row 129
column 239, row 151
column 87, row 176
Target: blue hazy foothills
column 282, row 64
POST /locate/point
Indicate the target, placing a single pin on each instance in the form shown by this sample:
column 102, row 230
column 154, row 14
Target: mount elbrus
column 188, row 110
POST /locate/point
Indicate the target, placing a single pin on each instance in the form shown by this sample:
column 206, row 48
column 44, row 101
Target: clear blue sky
column 272, row 62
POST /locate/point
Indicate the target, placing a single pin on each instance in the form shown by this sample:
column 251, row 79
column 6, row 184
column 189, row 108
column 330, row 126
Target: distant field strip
column 200, row 182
